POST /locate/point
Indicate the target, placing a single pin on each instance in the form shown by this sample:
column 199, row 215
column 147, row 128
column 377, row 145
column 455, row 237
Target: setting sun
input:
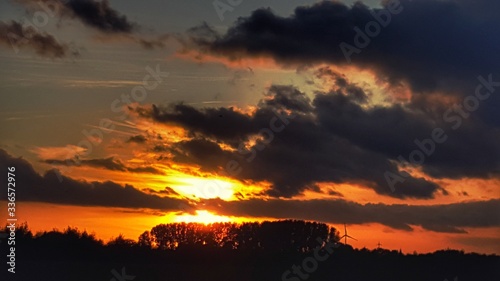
column 202, row 216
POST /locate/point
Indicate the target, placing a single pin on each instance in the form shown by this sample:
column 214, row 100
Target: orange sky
column 108, row 223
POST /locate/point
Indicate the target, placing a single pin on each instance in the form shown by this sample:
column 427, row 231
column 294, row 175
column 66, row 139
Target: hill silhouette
column 283, row 250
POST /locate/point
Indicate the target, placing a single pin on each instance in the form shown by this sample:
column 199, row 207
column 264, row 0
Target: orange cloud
column 245, row 62
column 61, row 152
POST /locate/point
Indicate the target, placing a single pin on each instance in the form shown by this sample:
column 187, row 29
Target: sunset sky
column 121, row 115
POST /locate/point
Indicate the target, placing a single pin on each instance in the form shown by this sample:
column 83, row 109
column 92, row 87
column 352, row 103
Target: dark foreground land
column 73, row 255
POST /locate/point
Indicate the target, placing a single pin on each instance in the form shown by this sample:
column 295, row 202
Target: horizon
column 121, row 238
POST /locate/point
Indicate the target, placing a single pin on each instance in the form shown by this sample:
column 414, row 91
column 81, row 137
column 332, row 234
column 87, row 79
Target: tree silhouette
column 228, row 251
column 145, row 240
column 277, row 236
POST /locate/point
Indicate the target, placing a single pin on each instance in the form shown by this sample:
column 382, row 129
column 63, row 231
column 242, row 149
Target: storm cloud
column 304, row 151
column 432, row 45
column 53, row 187
column 335, row 137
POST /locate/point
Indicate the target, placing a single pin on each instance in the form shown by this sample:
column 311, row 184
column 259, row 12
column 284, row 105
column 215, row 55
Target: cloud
column 59, row 189
column 15, row 35
column 95, row 14
column 107, row 163
column 99, row 15
column 443, row 52
column 394, row 131
column 58, row 152
column 137, row 139
column 305, row 149
column 223, row 123
column 168, row 191
column 449, row 218
column 149, row 170
column 148, row 43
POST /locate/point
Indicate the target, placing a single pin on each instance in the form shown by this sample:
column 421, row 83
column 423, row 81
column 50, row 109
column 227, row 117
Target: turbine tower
column 346, row 235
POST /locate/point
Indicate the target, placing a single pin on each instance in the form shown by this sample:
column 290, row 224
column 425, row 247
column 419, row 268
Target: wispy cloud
column 109, row 163
column 14, row 35
column 58, row 152
column 100, row 16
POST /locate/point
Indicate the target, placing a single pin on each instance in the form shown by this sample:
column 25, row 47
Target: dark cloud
column 450, row 47
column 340, row 82
column 149, row 170
column 107, row 163
column 95, row 14
column 137, row 139
column 450, row 218
column 305, row 150
column 59, row 189
column 441, row 55
column 16, row 36
column 205, row 153
column 473, row 150
column 168, row 191
column 230, row 127
column 285, row 97
column 99, row 15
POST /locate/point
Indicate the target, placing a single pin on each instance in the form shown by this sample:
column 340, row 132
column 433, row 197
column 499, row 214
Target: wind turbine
column 346, row 235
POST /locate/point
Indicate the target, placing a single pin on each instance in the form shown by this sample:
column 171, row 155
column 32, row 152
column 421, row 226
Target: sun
column 202, row 216
column 206, row 188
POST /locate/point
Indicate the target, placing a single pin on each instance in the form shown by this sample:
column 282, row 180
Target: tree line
column 229, row 251
column 281, row 236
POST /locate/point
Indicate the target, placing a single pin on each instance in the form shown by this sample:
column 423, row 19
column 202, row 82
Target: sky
column 121, row 115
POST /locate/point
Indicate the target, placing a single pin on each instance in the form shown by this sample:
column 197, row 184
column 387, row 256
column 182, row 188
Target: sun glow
column 205, row 188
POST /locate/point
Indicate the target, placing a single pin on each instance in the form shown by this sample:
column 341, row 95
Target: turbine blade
column 352, row 237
